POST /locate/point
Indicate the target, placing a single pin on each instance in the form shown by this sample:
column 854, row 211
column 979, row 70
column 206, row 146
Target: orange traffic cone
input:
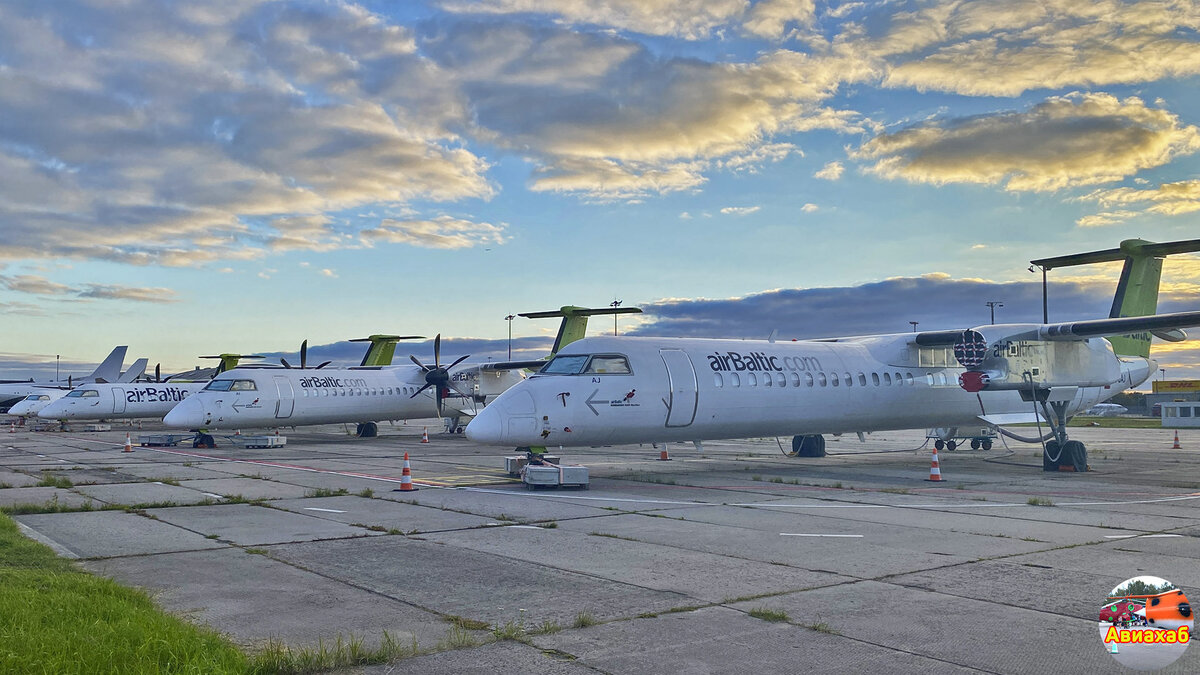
column 424, row 438
column 663, row 456
column 406, row 477
column 128, row 444
column 1176, row 446
column 12, row 428
column 935, row 472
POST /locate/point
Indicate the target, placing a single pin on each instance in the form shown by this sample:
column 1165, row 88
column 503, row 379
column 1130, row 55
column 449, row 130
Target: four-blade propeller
column 304, row 359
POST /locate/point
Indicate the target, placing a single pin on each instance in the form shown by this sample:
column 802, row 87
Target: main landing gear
column 367, row 430
column 1061, row 454
column 808, row 446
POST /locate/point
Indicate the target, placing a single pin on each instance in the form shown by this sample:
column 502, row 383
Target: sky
column 238, row 176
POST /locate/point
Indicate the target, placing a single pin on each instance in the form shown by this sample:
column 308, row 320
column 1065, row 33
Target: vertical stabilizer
column 135, row 371
column 1137, row 291
column 575, row 321
column 110, row 369
column 383, row 348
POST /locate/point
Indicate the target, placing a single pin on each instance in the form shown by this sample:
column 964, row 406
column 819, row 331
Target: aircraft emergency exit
column 614, row 390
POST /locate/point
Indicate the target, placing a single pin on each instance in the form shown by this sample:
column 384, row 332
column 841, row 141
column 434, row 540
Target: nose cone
column 487, row 427
column 54, row 411
column 187, row 414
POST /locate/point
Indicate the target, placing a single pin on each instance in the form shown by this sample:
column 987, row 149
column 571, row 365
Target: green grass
column 58, row 619
column 368, row 493
column 278, row 658
column 821, row 627
column 1039, row 501
column 583, row 620
column 765, row 614
column 326, row 492
column 50, row 480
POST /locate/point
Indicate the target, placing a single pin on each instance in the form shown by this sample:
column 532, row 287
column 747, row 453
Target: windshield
column 80, row 393
column 219, row 385
column 608, row 364
column 231, row 385
column 564, row 365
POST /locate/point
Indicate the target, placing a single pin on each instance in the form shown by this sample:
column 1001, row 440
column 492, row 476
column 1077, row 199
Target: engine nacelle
column 1040, row 364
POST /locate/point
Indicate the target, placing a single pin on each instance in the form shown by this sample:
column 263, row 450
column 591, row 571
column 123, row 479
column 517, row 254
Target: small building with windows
column 1180, row 414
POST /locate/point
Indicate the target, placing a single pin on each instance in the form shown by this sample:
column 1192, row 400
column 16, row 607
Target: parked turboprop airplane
column 12, row 391
column 247, row 397
column 612, row 390
column 1105, row 410
column 32, row 404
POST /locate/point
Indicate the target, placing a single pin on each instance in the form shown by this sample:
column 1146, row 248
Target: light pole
column 56, row 367
column 992, row 305
column 914, row 325
column 615, row 304
column 1164, row 374
column 509, row 319
column 1045, row 305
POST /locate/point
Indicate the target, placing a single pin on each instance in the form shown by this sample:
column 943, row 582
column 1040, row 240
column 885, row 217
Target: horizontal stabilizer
column 581, row 311
column 1133, row 246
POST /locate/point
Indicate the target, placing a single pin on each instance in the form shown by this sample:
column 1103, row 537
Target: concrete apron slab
column 142, row 493
column 407, row 518
column 250, row 488
column 497, row 657
column 722, row 640
column 965, row 632
column 39, row 496
column 480, row 586
column 255, row 599
column 102, row 534
column 251, row 525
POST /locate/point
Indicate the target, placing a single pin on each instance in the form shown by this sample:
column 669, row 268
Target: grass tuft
column 278, row 658
column 465, row 623
column 773, row 615
column 583, row 620
column 326, row 492
column 1039, row 501
column 51, row 480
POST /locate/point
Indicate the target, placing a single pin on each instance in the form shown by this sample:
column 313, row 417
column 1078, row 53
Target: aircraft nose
column 54, row 411
column 487, row 427
column 187, row 414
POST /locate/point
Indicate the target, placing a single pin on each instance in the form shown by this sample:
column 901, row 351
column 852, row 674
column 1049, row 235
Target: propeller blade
column 437, row 351
column 420, row 390
column 157, row 372
column 460, row 360
column 441, row 399
column 69, row 385
column 303, row 354
column 423, row 366
column 285, row 363
column 323, row 365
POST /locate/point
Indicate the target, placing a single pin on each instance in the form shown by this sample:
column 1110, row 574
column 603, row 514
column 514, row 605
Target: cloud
column 770, row 18
column 443, row 232
column 29, row 283
column 984, row 48
column 831, row 171
column 739, row 210
column 131, row 293
column 326, row 272
column 688, row 19
column 167, row 130
column 1078, row 139
column 809, row 208
column 1168, row 199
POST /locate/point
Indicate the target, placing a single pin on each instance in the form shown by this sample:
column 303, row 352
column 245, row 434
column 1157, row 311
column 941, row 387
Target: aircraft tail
column 575, row 321
column 135, row 371
column 383, row 348
column 110, row 369
column 1137, row 291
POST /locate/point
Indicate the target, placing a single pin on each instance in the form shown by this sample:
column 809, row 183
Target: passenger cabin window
column 780, row 380
column 751, row 380
column 849, row 380
column 608, row 364
column 808, row 379
column 718, row 381
column 875, row 379
column 821, row 379
column 833, row 379
column 887, row 379
column 795, row 377
column 735, row 380
column 862, row 380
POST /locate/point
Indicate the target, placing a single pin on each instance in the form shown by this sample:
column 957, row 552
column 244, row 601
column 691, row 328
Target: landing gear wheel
column 367, row 430
column 939, row 444
column 808, row 446
column 1051, row 456
column 1074, row 454
column 951, row 445
column 975, row 443
column 986, row 444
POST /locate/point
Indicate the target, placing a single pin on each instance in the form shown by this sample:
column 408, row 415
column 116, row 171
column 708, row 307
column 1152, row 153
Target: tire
column 975, row 443
column 986, row 444
column 951, row 445
column 939, row 444
column 809, row 446
column 1074, row 454
column 797, row 443
column 1050, row 451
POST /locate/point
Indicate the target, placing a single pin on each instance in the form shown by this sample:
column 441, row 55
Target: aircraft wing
column 514, row 365
column 1163, row 325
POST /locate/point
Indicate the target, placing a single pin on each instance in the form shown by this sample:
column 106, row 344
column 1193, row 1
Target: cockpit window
column 219, row 385
column 244, row 385
column 564, row 365
column 37, row 397
column 231, row 385
column 80, row 393
column 90, row 393
column 608, row 364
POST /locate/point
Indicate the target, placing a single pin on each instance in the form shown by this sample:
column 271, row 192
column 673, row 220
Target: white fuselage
column 252, row 397
column 34, row 403
column 680, row 389
column 133, row 400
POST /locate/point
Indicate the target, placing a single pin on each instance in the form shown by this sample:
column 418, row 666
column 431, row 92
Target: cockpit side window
column 219, row 385
column 90, row 393
column 244, row 385
column 607, row 364
column 78, row 393
column 564, row 365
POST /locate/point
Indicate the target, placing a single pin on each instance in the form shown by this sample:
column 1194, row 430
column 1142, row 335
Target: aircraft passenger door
column 681, row 406
column 118, row 400
column 287, row 398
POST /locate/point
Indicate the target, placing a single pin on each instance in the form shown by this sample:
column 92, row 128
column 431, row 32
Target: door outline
column 118, row 400
column 287, row 398
column 683, row 389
